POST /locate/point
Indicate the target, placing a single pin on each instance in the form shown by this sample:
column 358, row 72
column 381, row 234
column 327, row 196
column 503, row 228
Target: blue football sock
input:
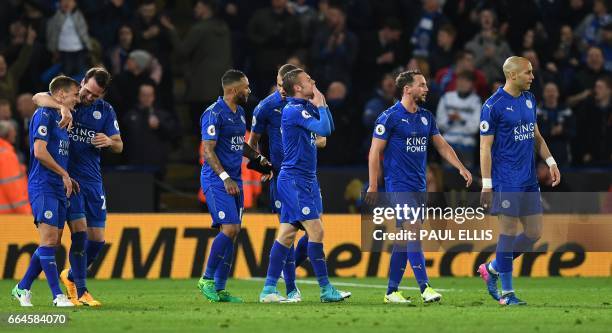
column 317, row 259
column 278, row 256
column 93, row 248
column 78, row 261
column 503, row 260
column 301, row 251
column 224, row 268
column 417, row 262
column 522, row 244
column 397, row 267
column 34, row 269
column 47, row 262
column 289, row 270
column 217, row 253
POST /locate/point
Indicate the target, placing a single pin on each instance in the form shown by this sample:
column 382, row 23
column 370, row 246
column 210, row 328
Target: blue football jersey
column 299, row 143
column 512, row 120
column 267, row 118
column 219, row 123
column 99, row 117
column 405, row 155
column 45, row 126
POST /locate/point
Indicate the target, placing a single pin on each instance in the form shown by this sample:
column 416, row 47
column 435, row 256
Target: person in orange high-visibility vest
column 251, row 181
column 13, row 181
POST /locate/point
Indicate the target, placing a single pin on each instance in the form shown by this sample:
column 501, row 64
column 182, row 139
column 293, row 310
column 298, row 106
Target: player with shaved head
column 508, row 137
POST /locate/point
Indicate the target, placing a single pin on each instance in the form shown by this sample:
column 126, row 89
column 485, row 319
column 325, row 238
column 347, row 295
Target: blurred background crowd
column 167, row 57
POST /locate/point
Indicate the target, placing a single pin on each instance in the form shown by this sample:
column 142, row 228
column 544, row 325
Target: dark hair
column 466, row 75
column 100, row 75
column 462, row 54
column 208, row 3
column 392, row 23
column 286, row 68
column 231, row 76
column 605, row 79
column 290, row 79
column 406, row 78
column 4, row 101
column 449, row 29
column 62, row 82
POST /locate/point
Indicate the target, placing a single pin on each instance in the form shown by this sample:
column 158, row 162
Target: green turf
column 555, row 305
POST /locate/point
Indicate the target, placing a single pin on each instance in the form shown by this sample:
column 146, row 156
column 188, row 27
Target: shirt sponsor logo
column 416, row 144
column 237, row 143
column 84, row 135
column 524, row 132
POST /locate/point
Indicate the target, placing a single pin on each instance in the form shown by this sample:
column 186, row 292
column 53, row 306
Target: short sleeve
column 111, row 126
column 303, row 118
column 433, row 129
column 383, row 127
column 210, row 125
column 488, row 120
column 42, row 123
column 258, row 125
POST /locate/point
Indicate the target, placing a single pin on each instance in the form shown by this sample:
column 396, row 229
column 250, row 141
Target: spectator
column 25, row 109
column 541, row 75
column 595, row 125
column 565, row 57
column 13, row 180
column 556, row 124
column 458, row 116
column 140, row 68
column 489, row 48
column 106, row 22
column 118, row 54
column 464, row 62
column 334, row 49
column 463, row 14
column 10, row 75
column 444, row 50
column 582, row 85
column 383, row 53
column 149, row 132
column 5, row 110
column 577, row 12
column 307, row 17
column 68, row 38
column 427, row 28
column 39, row 59
column 274, row 34
column 590, row 27
column 606, row 45
column 203, row 65
column 384, row 99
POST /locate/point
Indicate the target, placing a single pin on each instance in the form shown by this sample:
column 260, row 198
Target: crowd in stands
column 352, row 48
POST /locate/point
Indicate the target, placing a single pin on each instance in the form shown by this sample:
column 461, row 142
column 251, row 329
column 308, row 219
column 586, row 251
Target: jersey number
column 103, row 202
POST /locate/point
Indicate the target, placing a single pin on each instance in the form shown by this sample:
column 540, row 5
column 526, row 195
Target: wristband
column 223, row 175
column 487, row 183
column 551, row 161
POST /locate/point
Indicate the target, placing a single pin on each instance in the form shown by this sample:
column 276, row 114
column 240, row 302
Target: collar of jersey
column 506, row 94
column 401, row 107
column 295, row 100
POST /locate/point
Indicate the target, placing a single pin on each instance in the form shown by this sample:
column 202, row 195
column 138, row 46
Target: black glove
column 255, row 164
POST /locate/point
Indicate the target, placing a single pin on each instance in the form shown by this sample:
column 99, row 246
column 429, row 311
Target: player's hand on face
column 231, row 187
column 101, row 141
column 555, row 175
column 67, row 185
column 318, row 100
column 66, row 121
column 467, row 175
column 486, row 197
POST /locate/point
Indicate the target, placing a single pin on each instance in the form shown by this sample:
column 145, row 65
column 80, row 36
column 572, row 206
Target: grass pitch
column 555, row 305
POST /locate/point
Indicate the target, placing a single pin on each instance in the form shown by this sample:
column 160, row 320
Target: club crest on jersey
column 305, row 114
column 97, row 115
column 529, row 104
column 48, row 214
column 424, row 121
column 254, row 121
column 305, row 210
column 42, row 130
column 211, row 130
column 222, row 215
column 243, row 120
column 505, row 204
column 380, row 129
column 484, row 126
column 277, row 204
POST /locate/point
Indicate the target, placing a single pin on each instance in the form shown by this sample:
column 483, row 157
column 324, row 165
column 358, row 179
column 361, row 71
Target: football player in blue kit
column 305, row 117
column 223, row 129
column 267, row 119
column 402, row 134
column 49, row 187
column 509, row 135
column 94, row 127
